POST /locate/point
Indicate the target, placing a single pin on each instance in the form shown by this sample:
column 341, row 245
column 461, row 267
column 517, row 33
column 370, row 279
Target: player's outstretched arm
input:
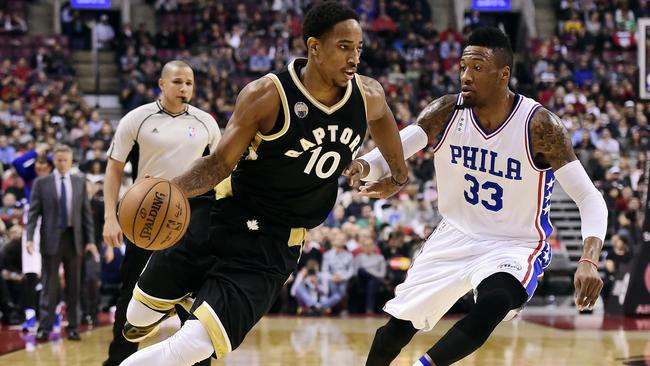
column 431, row 121
column 256, row 108
column 383, row 129
column 551, row 145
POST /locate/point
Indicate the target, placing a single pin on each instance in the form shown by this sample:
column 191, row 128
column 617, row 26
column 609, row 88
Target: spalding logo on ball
column 154, row 214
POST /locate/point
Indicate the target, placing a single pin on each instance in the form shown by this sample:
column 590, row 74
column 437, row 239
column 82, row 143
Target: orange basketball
column 154, row 214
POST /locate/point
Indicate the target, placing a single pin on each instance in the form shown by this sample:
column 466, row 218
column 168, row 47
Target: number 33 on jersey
column 493, row 175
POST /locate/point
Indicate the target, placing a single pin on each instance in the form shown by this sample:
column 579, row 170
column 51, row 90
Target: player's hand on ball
column 112, row 233
column 357, row 170
column 383, row 188
column 588, row 285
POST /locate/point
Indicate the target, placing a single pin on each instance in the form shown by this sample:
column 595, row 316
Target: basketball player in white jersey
column 160, row 139
column 497, row 157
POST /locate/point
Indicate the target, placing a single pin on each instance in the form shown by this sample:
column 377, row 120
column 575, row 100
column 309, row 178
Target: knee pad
column 395, row 334
column 497, row 295
column 501, row 290
column 140, row 315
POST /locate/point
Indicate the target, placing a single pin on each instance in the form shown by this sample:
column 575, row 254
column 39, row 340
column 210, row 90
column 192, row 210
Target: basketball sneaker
column 136, row 334
column 29, row 325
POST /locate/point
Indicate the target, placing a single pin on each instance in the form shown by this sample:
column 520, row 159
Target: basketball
column 154, row 214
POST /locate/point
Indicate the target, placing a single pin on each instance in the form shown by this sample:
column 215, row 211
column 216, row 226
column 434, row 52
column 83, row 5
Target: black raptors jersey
column 290, row 176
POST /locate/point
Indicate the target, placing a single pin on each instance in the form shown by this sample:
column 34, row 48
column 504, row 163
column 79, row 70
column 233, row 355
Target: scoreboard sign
column 91, row 4
column 491, row 5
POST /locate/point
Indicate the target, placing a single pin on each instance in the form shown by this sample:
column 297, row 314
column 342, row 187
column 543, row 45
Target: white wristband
column 413, row 139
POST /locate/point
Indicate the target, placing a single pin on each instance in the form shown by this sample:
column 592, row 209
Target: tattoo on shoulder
column 550, row 140
column 433, row 117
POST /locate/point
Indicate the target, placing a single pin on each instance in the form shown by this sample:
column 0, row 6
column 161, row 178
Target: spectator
column 338, row 267
column 619, row 256
column 79, row 33
column 104, row 33
column 7, row 152
column 310, row 288
column 607, row 144
column 397, row 257
column 370, row 268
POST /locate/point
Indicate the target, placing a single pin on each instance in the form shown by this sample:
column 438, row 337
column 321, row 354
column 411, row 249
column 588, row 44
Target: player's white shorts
column 451, row 264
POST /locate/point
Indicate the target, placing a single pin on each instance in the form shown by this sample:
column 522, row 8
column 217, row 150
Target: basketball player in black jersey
column 292, row 134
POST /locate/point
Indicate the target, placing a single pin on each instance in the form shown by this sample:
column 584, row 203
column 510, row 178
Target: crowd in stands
column 40, row 106
column 13, row 20
column 586, row 74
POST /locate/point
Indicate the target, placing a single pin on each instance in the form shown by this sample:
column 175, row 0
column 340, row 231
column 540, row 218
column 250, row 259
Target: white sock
column 425, row 360
column 186, row 347
column 140, row 315
column 29, row 313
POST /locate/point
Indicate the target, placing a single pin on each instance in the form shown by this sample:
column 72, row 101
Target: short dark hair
column 323, row 16
column 172, row 65
column 494, row 39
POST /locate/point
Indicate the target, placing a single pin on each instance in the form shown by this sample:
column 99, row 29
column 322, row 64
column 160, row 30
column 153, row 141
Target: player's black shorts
column 233, row 263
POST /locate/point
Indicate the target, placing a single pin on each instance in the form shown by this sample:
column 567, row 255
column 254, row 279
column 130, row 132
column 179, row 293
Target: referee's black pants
column 135, row 258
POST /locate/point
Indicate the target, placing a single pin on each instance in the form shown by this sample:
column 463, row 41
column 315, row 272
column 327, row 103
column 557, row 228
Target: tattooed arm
column 413, row 138
column 550, row 141
column 434, row 116
column 383, row 129
column 551, row 145
column 256, row 110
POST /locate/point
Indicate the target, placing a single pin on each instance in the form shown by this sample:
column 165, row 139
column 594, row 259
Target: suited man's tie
column 63, row 206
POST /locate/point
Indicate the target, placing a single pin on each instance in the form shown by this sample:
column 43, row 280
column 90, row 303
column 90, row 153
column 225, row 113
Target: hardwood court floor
column 304, row 341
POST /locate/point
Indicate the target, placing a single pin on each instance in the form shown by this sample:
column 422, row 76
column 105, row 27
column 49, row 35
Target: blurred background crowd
column 586, row 73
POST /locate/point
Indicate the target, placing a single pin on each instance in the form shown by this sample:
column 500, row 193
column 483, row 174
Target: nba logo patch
column 300, row 109
column 192, row 131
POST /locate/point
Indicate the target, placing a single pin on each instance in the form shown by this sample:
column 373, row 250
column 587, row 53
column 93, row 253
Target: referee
column 160, row 139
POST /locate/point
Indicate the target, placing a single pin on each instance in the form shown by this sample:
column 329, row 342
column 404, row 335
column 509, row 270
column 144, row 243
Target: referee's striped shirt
column 161, row 144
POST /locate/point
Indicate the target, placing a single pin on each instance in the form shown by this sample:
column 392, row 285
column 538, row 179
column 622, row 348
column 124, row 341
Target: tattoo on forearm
column 204, row 174
column 550, row 140
column 434, row 116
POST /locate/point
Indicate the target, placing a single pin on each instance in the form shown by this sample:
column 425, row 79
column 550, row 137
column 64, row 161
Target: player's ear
column 313, row 45
column 161, row 83
column 505, row 73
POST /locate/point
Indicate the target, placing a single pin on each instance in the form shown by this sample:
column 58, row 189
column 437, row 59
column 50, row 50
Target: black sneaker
column 137, row 334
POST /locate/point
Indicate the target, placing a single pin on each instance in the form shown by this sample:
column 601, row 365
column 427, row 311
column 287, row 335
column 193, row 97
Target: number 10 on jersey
column 320, row 161
column 490, row 189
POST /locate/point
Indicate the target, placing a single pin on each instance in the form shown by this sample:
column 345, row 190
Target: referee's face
column 177, row 86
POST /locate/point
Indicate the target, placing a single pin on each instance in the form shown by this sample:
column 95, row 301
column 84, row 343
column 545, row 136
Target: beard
column 468, row 103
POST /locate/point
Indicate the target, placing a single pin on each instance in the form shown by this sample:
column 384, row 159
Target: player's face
column 339, row 51
column 178, row 85
column 481, row 78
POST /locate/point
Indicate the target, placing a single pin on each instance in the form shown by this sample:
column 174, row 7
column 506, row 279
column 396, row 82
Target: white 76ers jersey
column 489, row 187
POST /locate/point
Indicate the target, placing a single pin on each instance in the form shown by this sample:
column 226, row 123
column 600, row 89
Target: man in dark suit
column 66, row 233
